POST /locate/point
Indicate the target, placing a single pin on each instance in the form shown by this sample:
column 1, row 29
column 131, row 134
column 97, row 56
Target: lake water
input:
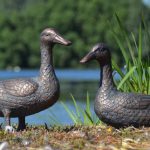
column 75, row 82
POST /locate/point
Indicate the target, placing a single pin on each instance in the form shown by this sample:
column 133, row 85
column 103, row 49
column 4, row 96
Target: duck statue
column 26, row 96
column 116, row 108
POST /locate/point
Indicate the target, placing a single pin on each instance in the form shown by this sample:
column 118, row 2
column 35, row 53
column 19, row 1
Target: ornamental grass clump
column 81, row 116
column 135, row 76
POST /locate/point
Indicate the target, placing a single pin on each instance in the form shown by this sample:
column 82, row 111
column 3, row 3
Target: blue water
column 53, row 115
column 66, row 74
column 77, row 82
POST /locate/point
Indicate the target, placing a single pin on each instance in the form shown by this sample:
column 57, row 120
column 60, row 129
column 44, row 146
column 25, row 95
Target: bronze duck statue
column 26, row 96
column 114, row 107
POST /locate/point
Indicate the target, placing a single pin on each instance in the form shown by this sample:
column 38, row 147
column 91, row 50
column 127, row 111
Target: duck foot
column 9, row 129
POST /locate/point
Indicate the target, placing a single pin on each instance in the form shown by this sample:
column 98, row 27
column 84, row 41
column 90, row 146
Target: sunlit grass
column 135, row 77
column 81, row 116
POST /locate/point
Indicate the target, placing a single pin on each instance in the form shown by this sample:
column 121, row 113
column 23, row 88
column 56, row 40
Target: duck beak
column 61, row 40
column 88, row 57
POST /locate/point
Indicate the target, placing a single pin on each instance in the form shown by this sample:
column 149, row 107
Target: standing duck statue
column 113, row 107
column 26, row 96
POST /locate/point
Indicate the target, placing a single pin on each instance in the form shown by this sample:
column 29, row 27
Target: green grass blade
column 120, row 46
column 148, row 80
column 116, row 67
column 88, row 104
column 55, row 121
column 140, row 45
column 75, row 104
column 126, row 77
column 70, row 113
column 81, row 116
column 89, row 117
column 53, row 117
column 145, row 26
column 134, row 40
column 78, row 118
column 122, row 28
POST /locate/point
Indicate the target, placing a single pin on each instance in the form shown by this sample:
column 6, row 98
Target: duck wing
column 20, row 87
column 137, row 101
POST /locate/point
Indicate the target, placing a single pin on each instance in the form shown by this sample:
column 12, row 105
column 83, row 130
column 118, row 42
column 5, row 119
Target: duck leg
column 8, row 127
column 22, row 124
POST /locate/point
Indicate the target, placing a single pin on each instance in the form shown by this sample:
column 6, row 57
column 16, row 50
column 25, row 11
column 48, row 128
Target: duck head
column 99, row 52
column 51, row 36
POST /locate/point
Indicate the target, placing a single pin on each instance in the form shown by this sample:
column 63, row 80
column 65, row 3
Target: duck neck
column 46, row 54
column 46, row 69
column 106, row 79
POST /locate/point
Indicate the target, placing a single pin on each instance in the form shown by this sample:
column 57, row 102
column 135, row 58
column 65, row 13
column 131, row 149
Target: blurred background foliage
column 84, row 22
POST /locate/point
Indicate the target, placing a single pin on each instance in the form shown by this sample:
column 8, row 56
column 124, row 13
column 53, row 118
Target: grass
column 135, row 77
column 81, row 116
column 95, row 137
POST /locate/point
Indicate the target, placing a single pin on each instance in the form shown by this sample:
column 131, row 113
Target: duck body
column 27, row 96
column 122, row 109
column 112, row 106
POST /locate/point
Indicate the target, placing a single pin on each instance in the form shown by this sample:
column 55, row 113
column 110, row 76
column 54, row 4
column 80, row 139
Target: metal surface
column 26, row 96
column 113, row 107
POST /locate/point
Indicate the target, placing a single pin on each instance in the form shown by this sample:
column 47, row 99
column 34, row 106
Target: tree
column 84, row 22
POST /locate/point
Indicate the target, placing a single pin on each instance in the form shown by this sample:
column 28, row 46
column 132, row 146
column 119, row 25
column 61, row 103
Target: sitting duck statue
column 113, row 107
column 25, row 96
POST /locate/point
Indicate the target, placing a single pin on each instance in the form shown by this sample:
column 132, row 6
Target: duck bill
column 61, row 40
column 90, row 56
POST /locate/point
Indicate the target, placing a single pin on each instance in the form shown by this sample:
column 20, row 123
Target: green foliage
column 83, row 22
column 81, row 116
column 135, row 76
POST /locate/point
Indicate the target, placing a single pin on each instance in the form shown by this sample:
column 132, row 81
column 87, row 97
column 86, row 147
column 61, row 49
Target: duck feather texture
column 26, row 96
column 112, row 106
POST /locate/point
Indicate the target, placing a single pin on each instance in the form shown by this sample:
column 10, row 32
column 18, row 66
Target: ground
column 100, row 137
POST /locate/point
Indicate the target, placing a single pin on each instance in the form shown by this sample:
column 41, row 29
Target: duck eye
column 97, row 50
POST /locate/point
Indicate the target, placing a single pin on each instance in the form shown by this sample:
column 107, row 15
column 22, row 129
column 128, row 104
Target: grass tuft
column 135, row 77
column 81, row 116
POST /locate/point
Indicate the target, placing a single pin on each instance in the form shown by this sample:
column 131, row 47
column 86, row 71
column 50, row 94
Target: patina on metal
column 26, row 96
column 114, row 107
